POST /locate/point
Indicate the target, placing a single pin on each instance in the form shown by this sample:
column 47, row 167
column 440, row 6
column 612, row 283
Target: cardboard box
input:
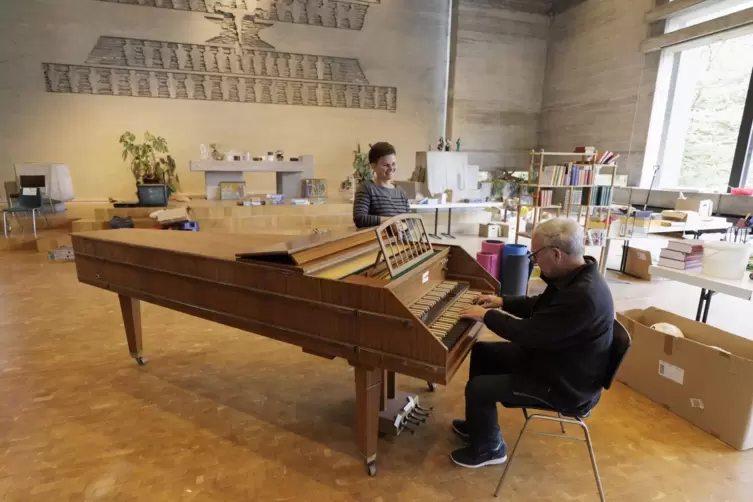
column 638, row 263
column 704, row 207
column 490, row 230
column 705, row 377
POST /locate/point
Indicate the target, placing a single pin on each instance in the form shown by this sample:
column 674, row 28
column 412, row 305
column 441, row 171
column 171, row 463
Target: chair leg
column 562, row 424
column 34, row 221
column 593, row 461
column 5, row 224
column 512, row 455
column 46, row 221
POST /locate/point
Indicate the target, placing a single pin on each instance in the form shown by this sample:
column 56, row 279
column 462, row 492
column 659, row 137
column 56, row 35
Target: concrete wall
column 498, row 79
column 398, row 45
column 599, row 85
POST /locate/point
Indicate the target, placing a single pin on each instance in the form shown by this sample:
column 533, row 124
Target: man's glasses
column 532, row 255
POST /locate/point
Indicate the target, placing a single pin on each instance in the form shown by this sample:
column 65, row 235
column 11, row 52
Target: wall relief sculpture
column 237, row 65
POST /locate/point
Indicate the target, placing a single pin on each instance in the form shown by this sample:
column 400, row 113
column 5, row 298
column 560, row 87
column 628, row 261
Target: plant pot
column 151, row 180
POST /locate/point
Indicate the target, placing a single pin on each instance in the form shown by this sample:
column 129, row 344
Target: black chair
column 620, row 346
column 29, row 201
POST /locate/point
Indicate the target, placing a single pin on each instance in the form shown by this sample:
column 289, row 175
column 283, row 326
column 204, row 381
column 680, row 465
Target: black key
column 456, row 332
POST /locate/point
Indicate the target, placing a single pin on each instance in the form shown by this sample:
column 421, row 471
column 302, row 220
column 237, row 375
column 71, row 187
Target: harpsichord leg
column 369, row 390
column 131, row 310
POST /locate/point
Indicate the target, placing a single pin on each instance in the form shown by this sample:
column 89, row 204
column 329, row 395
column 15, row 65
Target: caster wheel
column 371, row 468
column 140, row 361
column 431, row 387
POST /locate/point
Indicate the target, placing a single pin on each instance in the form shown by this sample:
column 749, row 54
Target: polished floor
column 222, row 415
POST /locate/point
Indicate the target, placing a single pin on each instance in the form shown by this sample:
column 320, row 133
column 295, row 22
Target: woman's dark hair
column 379, row 150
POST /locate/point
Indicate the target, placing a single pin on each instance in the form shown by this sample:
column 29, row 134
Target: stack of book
column 682, row 255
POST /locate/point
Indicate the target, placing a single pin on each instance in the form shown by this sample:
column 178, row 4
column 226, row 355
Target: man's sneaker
column 471, row 458
column 460, row 428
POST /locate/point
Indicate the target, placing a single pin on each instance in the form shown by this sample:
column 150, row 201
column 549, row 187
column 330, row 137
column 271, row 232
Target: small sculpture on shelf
column 440, row 145
column 448, row 145
column 216, row 154
column 457, row 145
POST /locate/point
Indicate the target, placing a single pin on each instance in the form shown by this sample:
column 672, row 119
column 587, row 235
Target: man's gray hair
column 564, row 234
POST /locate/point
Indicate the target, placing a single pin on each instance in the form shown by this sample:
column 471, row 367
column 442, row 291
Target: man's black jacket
column 565, row 335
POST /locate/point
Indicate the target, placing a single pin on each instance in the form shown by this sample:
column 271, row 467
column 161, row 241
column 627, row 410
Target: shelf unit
column 580, row 161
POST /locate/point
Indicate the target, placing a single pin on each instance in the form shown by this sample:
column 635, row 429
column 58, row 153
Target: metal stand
column 449, row 224
column 703, row 305
column 436, row 225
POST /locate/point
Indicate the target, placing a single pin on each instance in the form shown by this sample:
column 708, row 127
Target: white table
column 450, row 206
column 739, row 288
column 714, row 224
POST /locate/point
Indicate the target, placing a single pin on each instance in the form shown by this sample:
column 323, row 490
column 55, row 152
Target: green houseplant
column 362, row 171
column 150, row 160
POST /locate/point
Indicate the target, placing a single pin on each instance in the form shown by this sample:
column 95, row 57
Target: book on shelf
column 545, row 197
column 601, row 195
column 566, row 175
column 680, row 264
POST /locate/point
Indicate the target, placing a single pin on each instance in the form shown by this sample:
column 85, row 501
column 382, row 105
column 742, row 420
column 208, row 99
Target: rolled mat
column 490, row 262
column 492, row 247
column 510, row 250
column 516, row 270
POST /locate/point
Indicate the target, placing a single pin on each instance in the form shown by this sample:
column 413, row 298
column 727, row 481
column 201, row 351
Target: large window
column 700, row 126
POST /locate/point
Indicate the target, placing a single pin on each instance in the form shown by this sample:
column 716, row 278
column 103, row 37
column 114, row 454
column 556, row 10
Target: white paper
column 696, row 403
column 672, row 372
column 425, row 277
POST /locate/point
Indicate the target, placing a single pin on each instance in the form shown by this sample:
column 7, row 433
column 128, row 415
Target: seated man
column 556, row 354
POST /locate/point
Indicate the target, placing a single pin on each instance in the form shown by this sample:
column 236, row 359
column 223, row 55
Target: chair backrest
column 620, row 345
column 33, row 180
column 28, row 200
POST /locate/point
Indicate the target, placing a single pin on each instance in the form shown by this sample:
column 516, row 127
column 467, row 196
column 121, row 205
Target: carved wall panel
column 237, row 65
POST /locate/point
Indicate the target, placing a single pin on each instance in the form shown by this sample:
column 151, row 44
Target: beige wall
column 599, row 85
column 499, row 77
column 402, row 44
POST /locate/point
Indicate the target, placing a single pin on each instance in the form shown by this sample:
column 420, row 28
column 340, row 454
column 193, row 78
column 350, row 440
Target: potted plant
column 362, row 171
column 150, row 161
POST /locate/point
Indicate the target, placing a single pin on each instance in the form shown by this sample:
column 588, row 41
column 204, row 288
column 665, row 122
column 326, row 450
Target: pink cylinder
column 490, row 262
column 492, row 247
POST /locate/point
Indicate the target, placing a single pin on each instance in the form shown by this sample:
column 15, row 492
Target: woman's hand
column 488, row 301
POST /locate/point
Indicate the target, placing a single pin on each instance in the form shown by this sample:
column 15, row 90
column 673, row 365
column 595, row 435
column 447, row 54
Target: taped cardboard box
column 638, row 263
column 705, row 377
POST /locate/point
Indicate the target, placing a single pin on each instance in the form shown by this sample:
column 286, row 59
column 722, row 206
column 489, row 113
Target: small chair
column 620, row 346
column 29, row 201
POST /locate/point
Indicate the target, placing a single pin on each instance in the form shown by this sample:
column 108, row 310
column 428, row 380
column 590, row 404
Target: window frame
column 742, row 161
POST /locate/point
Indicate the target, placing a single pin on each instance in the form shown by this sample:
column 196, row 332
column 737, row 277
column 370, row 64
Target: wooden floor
column 222, row 415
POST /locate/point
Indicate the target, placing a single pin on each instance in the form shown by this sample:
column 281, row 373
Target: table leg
column 704, row 303
column 449, row 224
column 436, row 225
column 625, row 250
column 130, row 308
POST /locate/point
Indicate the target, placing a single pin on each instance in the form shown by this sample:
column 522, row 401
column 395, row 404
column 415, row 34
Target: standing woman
column 379, row 200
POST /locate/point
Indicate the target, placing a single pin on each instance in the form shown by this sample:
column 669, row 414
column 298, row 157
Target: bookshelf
column 568, row 183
